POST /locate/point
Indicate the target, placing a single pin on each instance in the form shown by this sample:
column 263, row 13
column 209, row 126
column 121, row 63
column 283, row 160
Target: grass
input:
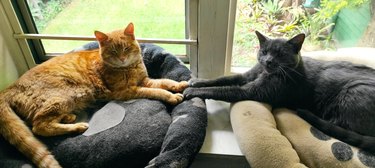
column 152, row 19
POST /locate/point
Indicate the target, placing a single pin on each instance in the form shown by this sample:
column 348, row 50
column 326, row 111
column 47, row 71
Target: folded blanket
column 135, row 133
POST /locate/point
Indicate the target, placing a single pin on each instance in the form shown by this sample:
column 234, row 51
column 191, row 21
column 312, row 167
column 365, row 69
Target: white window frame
column 210, row 26
column 215, row 37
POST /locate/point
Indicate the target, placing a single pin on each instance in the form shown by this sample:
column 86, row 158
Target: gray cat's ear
column 129, row 30
column 100, row 36
column 262, row 38
column 297, row 41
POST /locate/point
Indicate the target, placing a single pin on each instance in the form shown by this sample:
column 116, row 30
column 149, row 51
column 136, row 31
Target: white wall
column 12, row 62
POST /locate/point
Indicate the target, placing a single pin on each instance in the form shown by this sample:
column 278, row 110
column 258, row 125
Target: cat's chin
column 119, row 66
column 115, row 66
column 269, row 70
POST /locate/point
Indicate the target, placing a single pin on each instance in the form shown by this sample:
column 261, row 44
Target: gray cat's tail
column 366, row 143
column 16, row 132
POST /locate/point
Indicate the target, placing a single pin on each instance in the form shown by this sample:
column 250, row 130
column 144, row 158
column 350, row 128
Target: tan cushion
column 261, row 143
column 314, row 148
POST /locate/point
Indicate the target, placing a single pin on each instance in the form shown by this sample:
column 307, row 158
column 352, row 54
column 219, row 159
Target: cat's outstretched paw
column 189, row 93
column 175, row 98
column 181, row 86
column 81, row 127
column 197, row 82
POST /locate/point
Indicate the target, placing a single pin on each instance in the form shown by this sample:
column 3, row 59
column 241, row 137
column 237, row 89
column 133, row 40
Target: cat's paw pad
column 81, row 127
column 197, row 82
column 175, row 98
column 69, row 118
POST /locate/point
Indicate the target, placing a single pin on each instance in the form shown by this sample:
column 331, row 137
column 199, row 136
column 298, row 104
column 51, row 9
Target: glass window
column 156, row 19
column 332, row 27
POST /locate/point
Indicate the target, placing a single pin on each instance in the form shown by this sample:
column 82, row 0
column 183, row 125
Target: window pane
column 152, row 18
column 63, row 46
column 332, row 27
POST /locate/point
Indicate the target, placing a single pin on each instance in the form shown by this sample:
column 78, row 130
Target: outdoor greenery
column 152, row 19
column 45, row 11
column 275, row 19
column 160, row 19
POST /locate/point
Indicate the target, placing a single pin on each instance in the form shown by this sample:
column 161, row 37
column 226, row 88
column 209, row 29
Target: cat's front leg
column 167, row 84
column 221, row 81
column 224, row 93
column 159, row 94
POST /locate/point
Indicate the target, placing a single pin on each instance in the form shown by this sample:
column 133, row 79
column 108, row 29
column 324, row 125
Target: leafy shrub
column 275, row 20
column 46, row 10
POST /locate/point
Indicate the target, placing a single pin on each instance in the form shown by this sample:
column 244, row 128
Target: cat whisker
column 298, row 73
column 282, row 72
column 281, row 68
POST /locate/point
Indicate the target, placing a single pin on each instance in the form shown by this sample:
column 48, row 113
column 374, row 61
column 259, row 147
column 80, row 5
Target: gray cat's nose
column 270, row 63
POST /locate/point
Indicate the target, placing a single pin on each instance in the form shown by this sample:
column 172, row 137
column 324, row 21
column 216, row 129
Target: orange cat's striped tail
column 16, row 132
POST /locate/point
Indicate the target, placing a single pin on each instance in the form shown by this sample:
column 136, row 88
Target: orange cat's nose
column 122, row 59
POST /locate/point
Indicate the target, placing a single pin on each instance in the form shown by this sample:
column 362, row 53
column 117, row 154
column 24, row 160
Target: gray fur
column 337, row 97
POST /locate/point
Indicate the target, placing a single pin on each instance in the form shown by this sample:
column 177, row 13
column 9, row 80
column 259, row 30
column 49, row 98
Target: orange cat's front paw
column 181, row 86
column 175, row 98
column 81, row 127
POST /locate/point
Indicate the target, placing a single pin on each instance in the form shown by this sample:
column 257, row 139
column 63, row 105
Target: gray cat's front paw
column 189, row 93
column 197, row 82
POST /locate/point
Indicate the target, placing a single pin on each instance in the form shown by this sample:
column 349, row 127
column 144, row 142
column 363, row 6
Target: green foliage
column 45, row 12
column 270, row 18
column 273, row 8
column 330, row 8
column 152, row 19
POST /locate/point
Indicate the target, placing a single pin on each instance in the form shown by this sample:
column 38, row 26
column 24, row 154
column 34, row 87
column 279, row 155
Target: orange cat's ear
column 129, row 30
column 101, row 37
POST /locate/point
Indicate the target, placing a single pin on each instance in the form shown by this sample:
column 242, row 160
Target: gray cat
column 336, row 97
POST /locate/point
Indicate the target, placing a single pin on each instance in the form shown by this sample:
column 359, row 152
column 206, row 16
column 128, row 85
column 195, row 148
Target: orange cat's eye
column 114, row 52
column 126, row 49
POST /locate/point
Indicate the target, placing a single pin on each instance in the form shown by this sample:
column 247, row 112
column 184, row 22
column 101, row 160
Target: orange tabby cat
column 46, row 96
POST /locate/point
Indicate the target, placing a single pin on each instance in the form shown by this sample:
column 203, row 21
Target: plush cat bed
column 135, row 133
column 279, row 138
